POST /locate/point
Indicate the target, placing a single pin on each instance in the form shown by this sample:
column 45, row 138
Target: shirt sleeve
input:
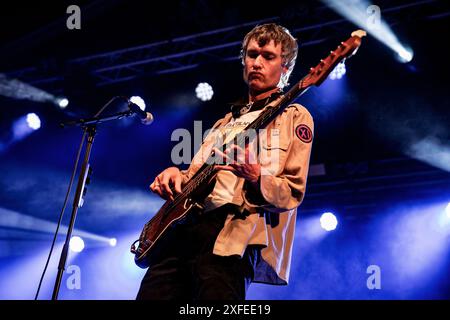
column 285, row 189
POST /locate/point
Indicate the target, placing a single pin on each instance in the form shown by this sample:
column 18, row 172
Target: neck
column 254, row 96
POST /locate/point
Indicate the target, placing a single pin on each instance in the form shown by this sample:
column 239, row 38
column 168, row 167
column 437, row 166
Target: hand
column 245, row 165
column 162, row 183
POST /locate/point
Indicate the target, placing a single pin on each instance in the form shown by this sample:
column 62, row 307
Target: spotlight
column 62, row 102
column 112, row 242
column 368, row 16
column 204, row 91
column 76, row 244
column 33, row 121
column 139, row 101
column 328, row 221
column 405, row 55
column 447, row 210
column 338, row 71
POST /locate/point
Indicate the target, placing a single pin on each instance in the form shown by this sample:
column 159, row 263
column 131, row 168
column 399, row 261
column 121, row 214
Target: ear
column 284, row 68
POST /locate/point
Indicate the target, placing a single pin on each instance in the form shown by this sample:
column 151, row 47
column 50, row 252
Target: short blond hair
column 271, row 31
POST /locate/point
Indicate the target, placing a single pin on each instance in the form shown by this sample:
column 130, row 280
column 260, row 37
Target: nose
column 257, row 64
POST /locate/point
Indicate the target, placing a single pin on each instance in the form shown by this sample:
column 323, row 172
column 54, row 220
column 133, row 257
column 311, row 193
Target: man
column 245, row 232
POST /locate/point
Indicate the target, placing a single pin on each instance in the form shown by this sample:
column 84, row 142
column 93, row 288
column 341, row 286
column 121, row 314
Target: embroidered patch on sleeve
column 304, row 133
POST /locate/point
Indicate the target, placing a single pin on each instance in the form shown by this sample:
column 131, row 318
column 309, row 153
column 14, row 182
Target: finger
column 154, row 185
column 238, row 169
column 238, row 153
column 225, row 158
column 243, row 156
column 250, row 154
column 177, row 183
column 165, row 188
column 235, row 153
column 219, row 153
column 237, row 148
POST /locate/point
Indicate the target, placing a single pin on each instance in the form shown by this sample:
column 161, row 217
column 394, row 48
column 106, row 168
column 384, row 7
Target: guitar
column 201, row 184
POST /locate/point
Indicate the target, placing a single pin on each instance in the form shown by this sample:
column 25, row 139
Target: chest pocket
column 273, row 147
column 275, row 136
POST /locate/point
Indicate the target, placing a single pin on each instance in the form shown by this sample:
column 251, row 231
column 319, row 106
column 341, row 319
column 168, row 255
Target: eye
column 252, row 54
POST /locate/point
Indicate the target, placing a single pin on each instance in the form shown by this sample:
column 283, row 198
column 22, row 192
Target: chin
column 258, row 88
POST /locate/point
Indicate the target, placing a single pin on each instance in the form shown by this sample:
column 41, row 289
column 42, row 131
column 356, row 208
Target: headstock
column 345, row 50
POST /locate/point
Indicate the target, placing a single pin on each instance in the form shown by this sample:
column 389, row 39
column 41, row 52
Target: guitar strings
column 206, row 172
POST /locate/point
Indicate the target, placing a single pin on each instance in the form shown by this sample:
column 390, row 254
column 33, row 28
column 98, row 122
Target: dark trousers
column 183, row 266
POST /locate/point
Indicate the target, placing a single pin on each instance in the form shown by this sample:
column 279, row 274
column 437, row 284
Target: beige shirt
column 226, row 182
column 272, row 218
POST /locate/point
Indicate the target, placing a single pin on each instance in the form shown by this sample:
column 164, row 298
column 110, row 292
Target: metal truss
column 189, row 52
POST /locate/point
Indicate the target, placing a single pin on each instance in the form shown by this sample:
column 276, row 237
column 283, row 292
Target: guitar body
column 170, row 214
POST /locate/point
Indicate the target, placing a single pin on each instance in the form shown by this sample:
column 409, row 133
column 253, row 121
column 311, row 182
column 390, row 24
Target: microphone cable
column 61, row 214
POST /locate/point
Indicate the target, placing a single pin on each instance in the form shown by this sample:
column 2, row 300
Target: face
column 263, row 66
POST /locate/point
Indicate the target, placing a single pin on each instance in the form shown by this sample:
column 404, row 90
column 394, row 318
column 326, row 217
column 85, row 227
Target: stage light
column 113, row 242
column 62, row 102
column 338, row 71
column 76, row 244
column 405, row 55
column 138, row 101
column 204, row 91
column 33, row 121
column 369, row 17
column 328, row 221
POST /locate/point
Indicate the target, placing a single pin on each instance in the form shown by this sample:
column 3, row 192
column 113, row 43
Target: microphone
column 146, row 117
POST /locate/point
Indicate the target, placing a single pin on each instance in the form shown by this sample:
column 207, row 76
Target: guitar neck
column 207, row 172
column 315, row 77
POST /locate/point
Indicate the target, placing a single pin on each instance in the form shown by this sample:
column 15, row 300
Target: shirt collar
column 242, row 106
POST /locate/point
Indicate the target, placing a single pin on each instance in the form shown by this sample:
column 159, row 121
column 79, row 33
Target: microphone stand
column 90, row 130
column 97, row 119
column 89, row 126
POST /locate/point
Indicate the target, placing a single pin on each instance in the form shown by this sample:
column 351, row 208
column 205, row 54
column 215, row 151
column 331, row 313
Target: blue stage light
column 405, row 55
column 328, row 221
column 204, row 91
column 113, row 242
column 62, row 102
column 33, row 121
column 76, row 244
column 338, row 72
